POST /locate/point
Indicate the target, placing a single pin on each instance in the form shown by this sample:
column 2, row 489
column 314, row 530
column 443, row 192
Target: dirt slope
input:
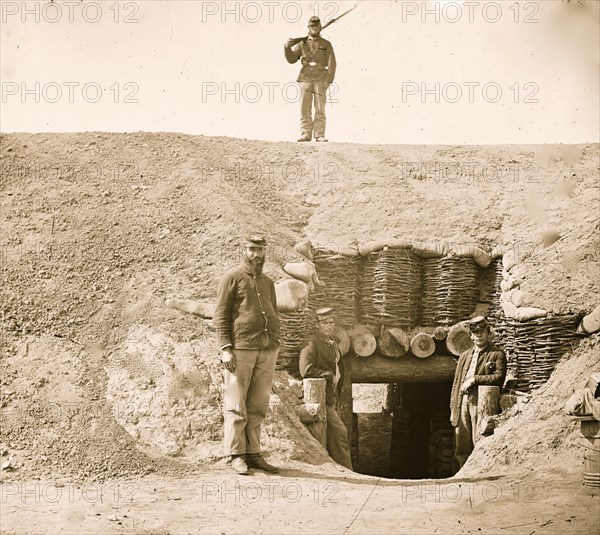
column 98, row 229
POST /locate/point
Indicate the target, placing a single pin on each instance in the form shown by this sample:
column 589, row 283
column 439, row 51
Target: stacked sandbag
column 391, row 287
column 513, row 300
column 449, row 290
column 339, row 275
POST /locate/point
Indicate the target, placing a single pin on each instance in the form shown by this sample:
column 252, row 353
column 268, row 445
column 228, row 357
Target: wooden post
column 314, row 399
column 488, row 405
column 389, row 399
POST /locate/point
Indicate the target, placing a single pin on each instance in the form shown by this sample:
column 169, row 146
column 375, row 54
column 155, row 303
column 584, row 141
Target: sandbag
column 509, row 259
column 510, row 310
column 530, row 313
column 204, row 310
column 590, row 323
column 304, row 248
column 304, row 271
column 429, row 250
column 371, row 247
column 518, row 298
column 348, row 251
column 291, row 294
column 498, row 251
column 506, row 296
column 480, row 257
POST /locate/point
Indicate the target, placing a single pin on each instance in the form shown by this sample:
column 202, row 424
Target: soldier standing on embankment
column 317, row 73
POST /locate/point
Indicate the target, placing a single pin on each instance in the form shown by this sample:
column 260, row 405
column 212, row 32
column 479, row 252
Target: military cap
column 256, row 240
column 313, row 21
column 325, row 313
column 478, row 323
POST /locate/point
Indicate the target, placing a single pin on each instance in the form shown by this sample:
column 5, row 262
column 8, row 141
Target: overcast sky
column 408, row 72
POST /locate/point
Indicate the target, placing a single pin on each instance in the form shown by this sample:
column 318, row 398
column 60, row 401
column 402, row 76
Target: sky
column 409, row 72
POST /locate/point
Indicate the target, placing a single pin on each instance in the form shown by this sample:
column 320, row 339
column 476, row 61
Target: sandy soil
column 300, row 501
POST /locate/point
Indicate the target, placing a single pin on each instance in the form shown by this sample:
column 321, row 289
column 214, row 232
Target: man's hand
column 293, row 41
column 467, row 385
column 228, row 360
column 328, row 376
column 326, row 86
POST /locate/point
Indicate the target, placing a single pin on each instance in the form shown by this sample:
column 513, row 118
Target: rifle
column 295, row 40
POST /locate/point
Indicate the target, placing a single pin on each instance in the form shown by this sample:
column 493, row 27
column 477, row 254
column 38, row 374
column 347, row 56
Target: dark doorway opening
column 415, row 441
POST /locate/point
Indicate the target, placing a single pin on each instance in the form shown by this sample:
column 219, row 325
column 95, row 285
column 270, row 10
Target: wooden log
column 440, row 333
column 435, row 369
column 364, row 344
column 422, row 345
column 314, row 394
column 458, row 339
column 393, row 342
column 488, row 405
column 342, row 339
column 204, row 310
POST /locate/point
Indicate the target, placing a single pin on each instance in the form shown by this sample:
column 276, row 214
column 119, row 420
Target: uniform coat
column 490, row 371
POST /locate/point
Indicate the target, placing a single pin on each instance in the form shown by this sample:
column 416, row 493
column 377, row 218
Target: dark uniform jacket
column 246, row 310
column 319, row 51
column 317, row 359
column 490, row 371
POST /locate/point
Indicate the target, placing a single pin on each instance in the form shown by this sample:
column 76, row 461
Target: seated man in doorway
column 321, row 358
column 483, row 364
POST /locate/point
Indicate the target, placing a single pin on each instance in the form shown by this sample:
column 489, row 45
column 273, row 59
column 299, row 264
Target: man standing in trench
column 247, row 327
column 321, row 358
column 317, row 73
column 483, row 364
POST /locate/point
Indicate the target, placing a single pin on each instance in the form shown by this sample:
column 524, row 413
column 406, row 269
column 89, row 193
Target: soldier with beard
column 248, row 330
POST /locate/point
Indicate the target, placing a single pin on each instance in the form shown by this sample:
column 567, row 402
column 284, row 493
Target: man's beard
column 256, row 265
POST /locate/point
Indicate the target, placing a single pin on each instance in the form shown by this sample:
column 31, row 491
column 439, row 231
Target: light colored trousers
column 466, row 430
column 246, row 402
column 312, row 92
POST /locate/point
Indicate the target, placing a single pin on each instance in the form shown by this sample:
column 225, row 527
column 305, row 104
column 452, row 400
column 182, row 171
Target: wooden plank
column 410, row 369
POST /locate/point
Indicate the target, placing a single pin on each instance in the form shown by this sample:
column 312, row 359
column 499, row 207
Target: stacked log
column 422, row 345
column 363, row 340
column 339, row 275
column 391, row 287
column 458, row 339
column 393, row 342
column 534, row 347
column 449, row 290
